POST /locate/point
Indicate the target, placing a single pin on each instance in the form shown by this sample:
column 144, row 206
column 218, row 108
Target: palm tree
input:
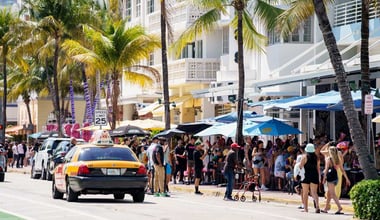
column 300, row 10
column 57, row 21
column 247, row 35
column 7, row 24
column 23, row 83
column 115, row 52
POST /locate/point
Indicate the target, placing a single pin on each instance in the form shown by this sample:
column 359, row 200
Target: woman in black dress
column 311, row 181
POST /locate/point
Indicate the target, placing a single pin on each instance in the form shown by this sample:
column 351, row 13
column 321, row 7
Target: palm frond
column 205, row 23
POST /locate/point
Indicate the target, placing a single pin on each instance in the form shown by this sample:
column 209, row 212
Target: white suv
column 41, row 158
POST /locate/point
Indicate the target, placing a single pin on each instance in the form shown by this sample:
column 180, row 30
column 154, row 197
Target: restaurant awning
column 14, row 129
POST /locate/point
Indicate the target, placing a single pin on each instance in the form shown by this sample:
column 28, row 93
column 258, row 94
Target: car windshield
column 106, row 153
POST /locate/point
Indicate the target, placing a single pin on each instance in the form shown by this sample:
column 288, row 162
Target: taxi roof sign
column 101, row 137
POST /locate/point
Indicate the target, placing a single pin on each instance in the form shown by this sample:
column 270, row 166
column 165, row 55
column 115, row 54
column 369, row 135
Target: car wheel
column 33, row 175
column 43, row 173
column 139, row 196
column 2, row 176
column 56, row 194
column 71, row 196
column 118, row 195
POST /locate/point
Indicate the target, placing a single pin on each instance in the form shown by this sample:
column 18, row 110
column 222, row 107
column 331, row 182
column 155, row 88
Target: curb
column 219, row 192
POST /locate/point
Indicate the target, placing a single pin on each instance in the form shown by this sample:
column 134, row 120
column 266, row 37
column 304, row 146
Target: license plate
column 113, row 172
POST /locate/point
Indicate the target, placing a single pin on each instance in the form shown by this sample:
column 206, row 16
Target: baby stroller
column 249, row 185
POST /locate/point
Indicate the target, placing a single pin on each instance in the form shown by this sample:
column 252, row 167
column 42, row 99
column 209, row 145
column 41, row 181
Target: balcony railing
column 350, row 12
column 193, row 70
column 181, row 13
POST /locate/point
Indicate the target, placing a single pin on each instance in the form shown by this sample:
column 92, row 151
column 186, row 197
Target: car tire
column 2, row 177
column 55, row 193
column 33, row 175
column 43, row 173
column 139, row 196
column 71, row 196
column 118, row 195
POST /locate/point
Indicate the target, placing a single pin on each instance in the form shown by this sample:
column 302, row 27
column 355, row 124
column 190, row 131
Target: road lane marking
column 44, row 204
column 240, row 210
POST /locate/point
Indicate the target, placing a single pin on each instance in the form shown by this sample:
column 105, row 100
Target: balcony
column 193, row 70
column 181, row 14
column 350, row 12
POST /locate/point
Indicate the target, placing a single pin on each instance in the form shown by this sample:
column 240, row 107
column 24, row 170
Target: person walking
column 189, row 150
column 15, row 154
column 332, row 164
column 310, row 183
column 231, row 163
column 159, row 170
column 180, row 159
column 258, row 158
column 150, row 165
column 21, row 148
column 198, row 164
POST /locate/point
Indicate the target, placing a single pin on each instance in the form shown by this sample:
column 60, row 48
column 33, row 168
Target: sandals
column 317, row 211
column 339, row 213
column 324, row 211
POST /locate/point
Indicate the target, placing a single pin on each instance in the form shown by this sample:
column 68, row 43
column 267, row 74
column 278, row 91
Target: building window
column 150, row 6
column 226, row 36
column 302, row 34
column 138, row 8
column 128, row 10
column 199, row 49
column 151, row 59
column 193, row 50
column 307, row 31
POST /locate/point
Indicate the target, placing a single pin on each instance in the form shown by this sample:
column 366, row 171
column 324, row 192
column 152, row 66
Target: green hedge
column 365, row 197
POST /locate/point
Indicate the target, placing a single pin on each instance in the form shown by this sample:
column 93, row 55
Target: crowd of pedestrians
column 18, row 154
column 277, row 164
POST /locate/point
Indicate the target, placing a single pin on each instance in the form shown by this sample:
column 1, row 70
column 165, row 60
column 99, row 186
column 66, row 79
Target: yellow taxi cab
column 100, row 167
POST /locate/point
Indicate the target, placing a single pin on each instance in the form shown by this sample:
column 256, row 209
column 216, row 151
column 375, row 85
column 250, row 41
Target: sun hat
column 310, row 148
column 235, row 146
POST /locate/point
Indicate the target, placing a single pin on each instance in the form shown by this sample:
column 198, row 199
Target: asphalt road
column 31, row 199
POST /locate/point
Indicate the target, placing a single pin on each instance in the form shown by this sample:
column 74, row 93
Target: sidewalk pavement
column 266, row 196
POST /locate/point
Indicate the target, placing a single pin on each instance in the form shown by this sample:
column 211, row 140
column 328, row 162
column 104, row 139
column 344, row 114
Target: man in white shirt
column 21, row 154
column 15, row 154
column 149, row 153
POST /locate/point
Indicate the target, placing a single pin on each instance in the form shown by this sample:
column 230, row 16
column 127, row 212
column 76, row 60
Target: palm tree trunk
column 114, row 100
column 364, row 62
column 357, row 133
column 57, row 111
column 165, row 73
column 5, row 49
column 240, row 101
column 27, row 104
column 88, row 112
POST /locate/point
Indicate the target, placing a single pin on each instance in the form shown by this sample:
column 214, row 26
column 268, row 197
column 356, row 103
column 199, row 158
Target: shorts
column 198, row 173
column 168, row 169
column 280, row 174
column 258, row 165
column 190, row 163
column 335, row 182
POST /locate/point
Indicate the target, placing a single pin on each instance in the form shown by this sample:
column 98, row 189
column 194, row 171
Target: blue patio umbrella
column 273, row 128
column 247, row 115
column 227, row 130
column 35, row 135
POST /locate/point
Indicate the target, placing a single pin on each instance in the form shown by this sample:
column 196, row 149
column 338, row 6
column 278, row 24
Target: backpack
column 160, row 150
